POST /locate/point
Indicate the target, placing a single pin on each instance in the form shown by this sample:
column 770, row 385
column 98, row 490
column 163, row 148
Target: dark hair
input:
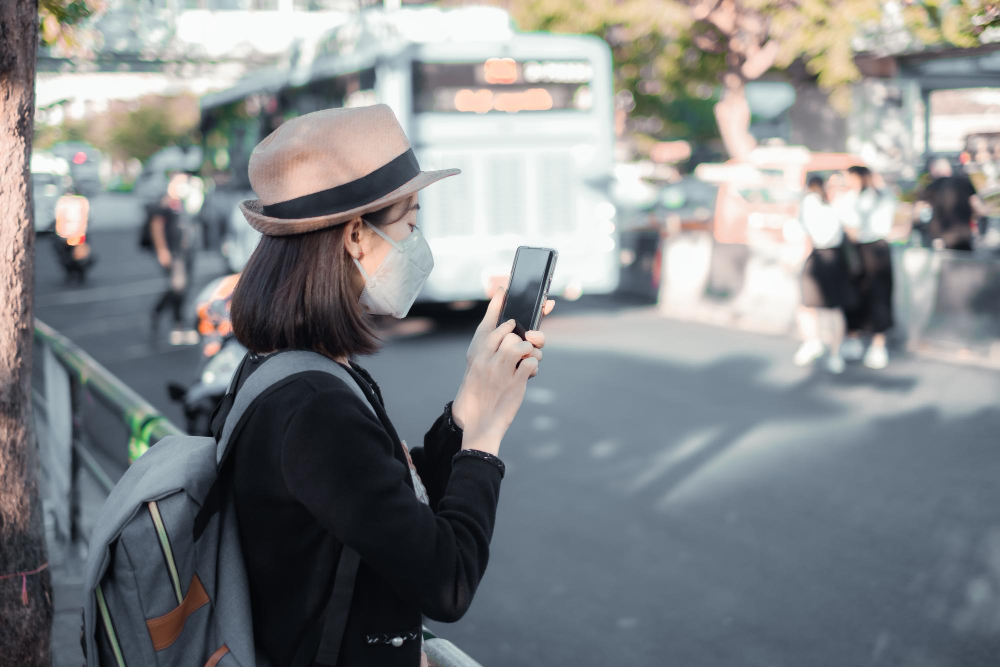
column 297, row 292
column 816, row 183
column 865, row 174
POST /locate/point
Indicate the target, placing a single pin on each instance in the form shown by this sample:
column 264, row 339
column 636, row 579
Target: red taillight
column 76, row 240
column 80, row 157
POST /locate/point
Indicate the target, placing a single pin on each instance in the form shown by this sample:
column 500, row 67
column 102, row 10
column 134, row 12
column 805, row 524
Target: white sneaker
column 835, row 364
column 877, row 357
column 852, row 349
column 808, row 352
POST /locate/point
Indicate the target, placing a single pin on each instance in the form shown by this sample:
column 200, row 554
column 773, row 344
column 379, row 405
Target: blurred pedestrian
column 954, row 207
column 827, row 289
column 867, row 211
column 72, row 214
column 170, row 234
column 320, row 477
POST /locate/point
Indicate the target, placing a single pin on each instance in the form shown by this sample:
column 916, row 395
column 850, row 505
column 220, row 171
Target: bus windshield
column 502, row 85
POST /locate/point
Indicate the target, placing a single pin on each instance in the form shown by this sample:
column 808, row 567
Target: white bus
column 528, row 117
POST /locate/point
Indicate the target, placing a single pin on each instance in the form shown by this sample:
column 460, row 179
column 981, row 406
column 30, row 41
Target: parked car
column 49, row 179
column 84, row 163
column 151, row 183
column 239, row 239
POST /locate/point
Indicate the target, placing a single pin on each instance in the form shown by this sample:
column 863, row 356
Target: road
column 678, row 494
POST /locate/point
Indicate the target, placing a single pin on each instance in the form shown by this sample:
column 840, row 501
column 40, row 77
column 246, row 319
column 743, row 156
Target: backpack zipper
column 168, row 554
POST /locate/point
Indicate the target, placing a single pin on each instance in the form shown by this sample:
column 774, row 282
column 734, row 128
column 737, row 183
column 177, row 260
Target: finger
column 498, row 335
column 526, row 369
column 547, row 308
column 493, row 310
column 536, row 338
column 510, row 342
column 516, row 349
column 536, row 354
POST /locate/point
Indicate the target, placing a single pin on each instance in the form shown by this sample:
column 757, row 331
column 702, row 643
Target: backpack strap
column 276, row 369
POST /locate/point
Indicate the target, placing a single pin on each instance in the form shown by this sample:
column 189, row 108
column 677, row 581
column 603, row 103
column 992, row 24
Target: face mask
column 393, row 287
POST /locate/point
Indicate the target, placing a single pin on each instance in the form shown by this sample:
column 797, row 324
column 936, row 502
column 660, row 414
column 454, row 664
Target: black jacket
column 314, row 469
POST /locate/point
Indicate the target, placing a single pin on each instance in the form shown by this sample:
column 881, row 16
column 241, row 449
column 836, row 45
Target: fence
column 90, row 427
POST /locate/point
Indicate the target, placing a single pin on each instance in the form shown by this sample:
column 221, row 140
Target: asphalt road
column 678, row 494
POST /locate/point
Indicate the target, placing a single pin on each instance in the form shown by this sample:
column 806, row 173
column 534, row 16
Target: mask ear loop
column 392, row 242
column 361, row 269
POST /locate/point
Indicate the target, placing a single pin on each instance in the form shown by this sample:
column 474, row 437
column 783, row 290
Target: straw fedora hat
column 328, row 167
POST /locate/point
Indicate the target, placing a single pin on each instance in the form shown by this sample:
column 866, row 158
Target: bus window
column 501, row 84
column 353, row 89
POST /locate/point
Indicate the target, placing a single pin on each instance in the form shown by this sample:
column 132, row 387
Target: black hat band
column 390, row 176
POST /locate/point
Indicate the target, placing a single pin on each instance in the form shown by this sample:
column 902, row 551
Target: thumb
column 493, row 310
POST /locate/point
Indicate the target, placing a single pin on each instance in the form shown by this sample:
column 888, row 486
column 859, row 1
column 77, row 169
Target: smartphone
column 528, row 288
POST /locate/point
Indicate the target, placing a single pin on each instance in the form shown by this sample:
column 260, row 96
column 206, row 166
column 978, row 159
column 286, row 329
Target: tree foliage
column 671, row 55
column 62, row 25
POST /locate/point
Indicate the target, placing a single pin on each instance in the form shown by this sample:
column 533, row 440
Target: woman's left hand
column 489, row 324
column 485, row 328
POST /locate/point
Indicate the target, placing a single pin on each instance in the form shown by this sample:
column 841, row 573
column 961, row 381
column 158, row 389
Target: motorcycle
column 212, row 381
column 221, row 356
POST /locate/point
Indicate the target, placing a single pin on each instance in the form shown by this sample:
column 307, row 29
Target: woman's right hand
column 494, row 386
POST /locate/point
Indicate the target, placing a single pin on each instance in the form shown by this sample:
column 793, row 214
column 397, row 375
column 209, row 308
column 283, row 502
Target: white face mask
column 393, row 287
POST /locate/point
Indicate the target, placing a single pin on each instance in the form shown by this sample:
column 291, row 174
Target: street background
column 686, row 484
column 675, row 493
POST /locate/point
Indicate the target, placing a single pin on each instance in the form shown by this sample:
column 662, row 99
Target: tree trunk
column 732, row 113
column 25, row 628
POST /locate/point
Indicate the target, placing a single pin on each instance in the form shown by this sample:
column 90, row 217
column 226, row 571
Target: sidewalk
column 66, row 563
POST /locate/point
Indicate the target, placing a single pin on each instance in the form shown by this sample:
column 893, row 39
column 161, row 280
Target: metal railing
column 88, row 421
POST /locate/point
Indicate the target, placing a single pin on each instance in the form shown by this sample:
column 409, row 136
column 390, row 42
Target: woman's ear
column 352, row 237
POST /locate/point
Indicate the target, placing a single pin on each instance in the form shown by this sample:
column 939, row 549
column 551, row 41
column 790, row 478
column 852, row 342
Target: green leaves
column 62, row 25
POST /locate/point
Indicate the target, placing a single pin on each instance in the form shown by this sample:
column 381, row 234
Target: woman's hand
column 489, row 323
column 499, row 364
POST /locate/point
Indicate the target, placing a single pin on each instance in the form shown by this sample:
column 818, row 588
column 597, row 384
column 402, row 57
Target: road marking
column 549, row 450
column 540, row 395
column 604, row 449
column 103, row 325
column 144, row 351
column 671, row 457
column 543, row 423
column 97, row 294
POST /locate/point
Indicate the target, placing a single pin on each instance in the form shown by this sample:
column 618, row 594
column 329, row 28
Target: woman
column 867, row 214
column 826, row 284
column 315, row 469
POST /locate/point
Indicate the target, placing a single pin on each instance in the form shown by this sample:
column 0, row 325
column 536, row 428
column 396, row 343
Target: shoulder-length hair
column 298, row 292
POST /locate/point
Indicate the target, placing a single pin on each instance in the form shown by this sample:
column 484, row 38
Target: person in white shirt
column 827, row 289
column 866, row 211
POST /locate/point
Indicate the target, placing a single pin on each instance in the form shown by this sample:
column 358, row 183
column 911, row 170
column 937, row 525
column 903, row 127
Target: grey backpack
column 165, row 581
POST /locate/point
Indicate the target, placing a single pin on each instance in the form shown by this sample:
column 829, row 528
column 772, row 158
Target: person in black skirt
column 867, row 211
column 827, row 289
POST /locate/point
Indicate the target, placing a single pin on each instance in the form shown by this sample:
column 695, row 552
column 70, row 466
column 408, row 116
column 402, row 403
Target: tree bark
column 25, row 628
column 732, row 113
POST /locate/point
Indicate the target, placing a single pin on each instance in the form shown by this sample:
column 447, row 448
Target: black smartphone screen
column 528, row 282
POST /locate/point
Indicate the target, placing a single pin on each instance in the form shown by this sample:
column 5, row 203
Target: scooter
column 70, row 238
column 200, row 399
column 221, row 355
column 75, row 256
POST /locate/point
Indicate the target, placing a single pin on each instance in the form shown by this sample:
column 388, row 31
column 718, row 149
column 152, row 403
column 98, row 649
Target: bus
column 528, row 117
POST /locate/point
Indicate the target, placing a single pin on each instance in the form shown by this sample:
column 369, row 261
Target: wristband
column 480, row 454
